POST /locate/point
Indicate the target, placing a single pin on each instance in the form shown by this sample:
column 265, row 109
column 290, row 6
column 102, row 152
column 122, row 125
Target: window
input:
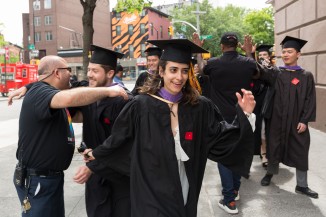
column 37, row 37
column 142, row 50
column 24, row 73
column 37, row 21
column 118, row 15
column 143, row 13
column 152, row 32
column 47, row 4
column 47, row 20
column 36, row 5
column 131, row 51
column 142, row 28
column 48, row 36
column 161, row 31
column 118, row 29
column 130, row 29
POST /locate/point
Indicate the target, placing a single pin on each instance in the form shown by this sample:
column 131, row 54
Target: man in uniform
column 153, row 58
column 105, row 196
column 46, row 137
column 294, row 106
column 227, row 75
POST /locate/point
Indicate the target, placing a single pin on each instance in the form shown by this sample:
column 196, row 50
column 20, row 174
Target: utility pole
column 197, row 12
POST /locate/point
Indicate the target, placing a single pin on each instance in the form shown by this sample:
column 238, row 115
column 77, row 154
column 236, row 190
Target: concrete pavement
column 277, row 200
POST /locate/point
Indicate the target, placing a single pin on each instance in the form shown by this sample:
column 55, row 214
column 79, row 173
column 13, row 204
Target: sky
column 11, row 14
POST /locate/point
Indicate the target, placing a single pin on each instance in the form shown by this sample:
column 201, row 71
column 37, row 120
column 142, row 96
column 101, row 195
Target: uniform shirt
column 227, row 75
column 46, row 135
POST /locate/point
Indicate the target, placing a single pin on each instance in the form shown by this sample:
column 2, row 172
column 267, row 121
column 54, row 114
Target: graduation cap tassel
column 193, row 79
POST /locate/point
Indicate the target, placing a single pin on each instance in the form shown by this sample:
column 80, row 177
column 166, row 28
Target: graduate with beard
column 104, row 196
column 163, row 137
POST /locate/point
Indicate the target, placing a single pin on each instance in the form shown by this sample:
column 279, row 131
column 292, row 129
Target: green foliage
column 132, row 5
column 12, row 58
column 260, row 24
column 218, row 20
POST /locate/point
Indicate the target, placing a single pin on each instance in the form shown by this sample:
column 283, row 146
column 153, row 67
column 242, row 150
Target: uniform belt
column 35, row 172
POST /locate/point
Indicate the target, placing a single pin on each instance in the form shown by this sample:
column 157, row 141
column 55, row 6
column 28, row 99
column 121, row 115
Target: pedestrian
column 260, row 90
column 153, row 55
column 229, row 74
column 118, row 75
column 293, row 108
column 104, row 198
column 163, row 137
column 46, row 137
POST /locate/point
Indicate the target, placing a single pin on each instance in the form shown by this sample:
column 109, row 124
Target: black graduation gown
column 142, row 146
column 140, row 82
column 101, row 194
column 259, row 90
column 294, row 102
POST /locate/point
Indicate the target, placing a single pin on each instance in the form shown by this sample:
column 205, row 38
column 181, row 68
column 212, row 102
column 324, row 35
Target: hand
column 116, row 90
column 196, row 40
column 247, row 102
column 82, row 175
column 88, row 155
column 301, row 127
column 247, row 46
column 19, row 93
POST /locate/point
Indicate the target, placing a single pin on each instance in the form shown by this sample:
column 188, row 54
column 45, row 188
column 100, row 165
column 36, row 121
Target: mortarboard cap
column 264, row 47
column 229, row 38
column 291, row 42
column 177, row 50
column 104, row 56
column 154, row 51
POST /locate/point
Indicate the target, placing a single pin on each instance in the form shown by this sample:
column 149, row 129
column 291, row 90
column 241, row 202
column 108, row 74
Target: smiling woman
column 163, row 137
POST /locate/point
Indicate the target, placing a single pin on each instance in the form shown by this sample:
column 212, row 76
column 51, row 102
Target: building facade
column 306, row 19
column 54, row 27
column 130, row 31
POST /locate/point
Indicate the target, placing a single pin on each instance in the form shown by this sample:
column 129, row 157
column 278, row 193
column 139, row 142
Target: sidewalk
column 277, row 200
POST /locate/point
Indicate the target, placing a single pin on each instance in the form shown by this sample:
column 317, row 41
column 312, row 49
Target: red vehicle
column 14, row 76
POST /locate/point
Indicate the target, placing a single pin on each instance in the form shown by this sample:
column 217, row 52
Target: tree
column 218, row 20
column 88, row 30
column 260, row 24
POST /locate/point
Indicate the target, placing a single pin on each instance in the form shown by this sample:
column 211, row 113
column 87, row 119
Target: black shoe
column 307, row 191
column 266, row 180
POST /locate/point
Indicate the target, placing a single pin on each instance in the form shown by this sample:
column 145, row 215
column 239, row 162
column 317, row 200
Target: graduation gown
column 294, row 103
column 142, row 146
column 102, row 194
column 140, row 82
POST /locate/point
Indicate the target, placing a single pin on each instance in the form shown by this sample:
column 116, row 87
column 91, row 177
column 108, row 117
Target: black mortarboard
column 104, row 56
column 264, row 47
column 154, row 51
column 291, row 42
column 177, row 50
column 229, row 38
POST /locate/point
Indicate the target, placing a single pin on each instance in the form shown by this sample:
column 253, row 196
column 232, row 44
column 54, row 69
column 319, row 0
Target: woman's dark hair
column 154, row 83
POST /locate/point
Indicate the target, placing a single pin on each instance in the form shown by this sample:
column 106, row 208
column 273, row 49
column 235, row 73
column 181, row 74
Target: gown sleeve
column 231, row 144
column 115, row 150
column 309, row 107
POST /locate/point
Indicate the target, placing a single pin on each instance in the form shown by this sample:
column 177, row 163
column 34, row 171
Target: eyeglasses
column 66, row 68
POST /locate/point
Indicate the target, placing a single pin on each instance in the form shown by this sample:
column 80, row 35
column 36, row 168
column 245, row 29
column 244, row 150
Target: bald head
column 50, row 63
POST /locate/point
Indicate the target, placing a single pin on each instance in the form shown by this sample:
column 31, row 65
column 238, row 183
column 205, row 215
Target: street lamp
column 151, row 25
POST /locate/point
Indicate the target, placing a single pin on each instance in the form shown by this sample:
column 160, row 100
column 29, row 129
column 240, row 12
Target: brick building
column 306, row 19
column 130, row 31
column 55, row 28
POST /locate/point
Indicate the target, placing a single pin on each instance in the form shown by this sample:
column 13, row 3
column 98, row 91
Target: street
column 277, row 200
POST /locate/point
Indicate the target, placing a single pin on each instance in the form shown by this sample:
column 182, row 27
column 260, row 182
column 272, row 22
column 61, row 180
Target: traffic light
column 170, row 29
